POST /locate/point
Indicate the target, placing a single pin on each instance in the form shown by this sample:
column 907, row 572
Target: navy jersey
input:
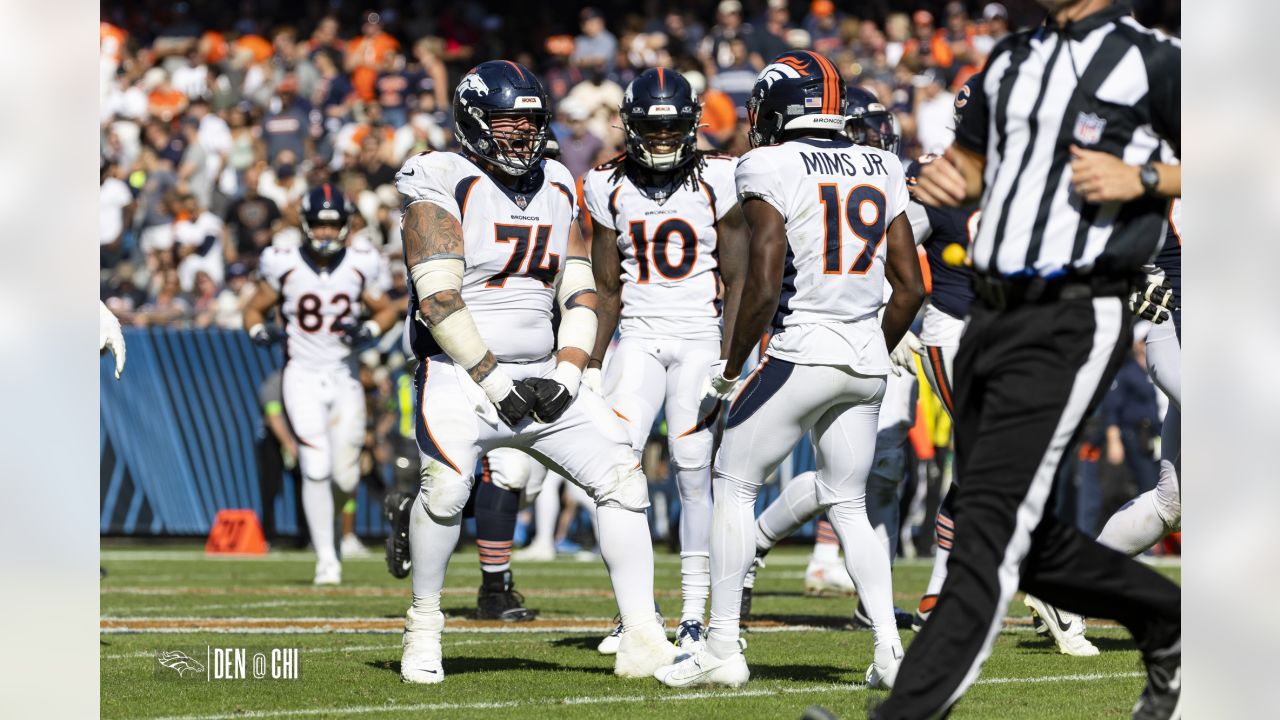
column 1170, row 257
column 935, row 230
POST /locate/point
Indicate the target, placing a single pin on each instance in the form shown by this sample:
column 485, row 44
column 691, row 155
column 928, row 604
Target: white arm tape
column 436, row 275
column 577, row 324
column 459, row 338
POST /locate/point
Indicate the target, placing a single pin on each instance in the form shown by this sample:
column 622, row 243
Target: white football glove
column 1154, row 300
column 592, row 378
column 718, row 386
column 110, row 337
column 902, row 357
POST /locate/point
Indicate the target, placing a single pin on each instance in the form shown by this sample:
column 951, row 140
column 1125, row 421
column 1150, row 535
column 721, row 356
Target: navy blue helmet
column 799, row 90
column 502, row 89
column 871, row 123
column 326, row 206
column 660, row 114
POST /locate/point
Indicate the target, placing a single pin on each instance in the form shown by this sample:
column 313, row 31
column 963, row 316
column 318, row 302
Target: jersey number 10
column 659, row 245
column 864, row 212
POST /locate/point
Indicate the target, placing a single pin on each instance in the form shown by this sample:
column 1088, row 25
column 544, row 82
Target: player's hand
column 594, row 379
column 353, row 332
column 515, row 405
column 550, row 399
column 1100, row 177
column 903, row 356
column 940, row 183
column 1154, row 300
column 110, row 338
column 261, row 336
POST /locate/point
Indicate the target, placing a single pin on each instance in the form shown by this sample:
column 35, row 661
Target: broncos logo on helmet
column 502, row 91
column 799, row 90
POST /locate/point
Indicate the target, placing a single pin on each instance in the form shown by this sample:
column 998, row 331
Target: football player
column 492, row 244
column 827, row 228
column 320, row 287
column 666, row 231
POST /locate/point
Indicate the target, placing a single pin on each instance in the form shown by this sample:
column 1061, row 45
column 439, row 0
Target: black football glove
column 1154, row 300
column 516, row 405
column 353, row 332
column 550, row 399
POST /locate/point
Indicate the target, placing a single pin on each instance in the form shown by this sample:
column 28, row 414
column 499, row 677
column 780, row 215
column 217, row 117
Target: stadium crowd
column 215, row 120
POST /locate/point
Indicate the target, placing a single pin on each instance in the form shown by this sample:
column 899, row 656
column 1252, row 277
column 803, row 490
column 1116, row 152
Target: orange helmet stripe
column 517, row 67
column 830, row 84
column 661, row 80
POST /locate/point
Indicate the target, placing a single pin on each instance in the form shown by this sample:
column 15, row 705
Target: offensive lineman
column 491, row 244
column 666, row 229
column 319, row 287
column 826, row 230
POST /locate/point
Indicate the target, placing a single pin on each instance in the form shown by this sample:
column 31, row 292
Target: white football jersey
column 837, row 200
column 314, row 298
column 670, row 271
column 514, row 245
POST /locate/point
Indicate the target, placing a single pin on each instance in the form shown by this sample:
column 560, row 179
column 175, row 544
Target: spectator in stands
column 233, row 298
column 738, row 77
column 601, row 97
column 281, row 181
column 429, row 90
column 716, row 52
column 927, row 47
column 823, row 26
column 579, row 147
column 393, row 87
column 595, row 47
column 198, row 236
column 115, row 213
column 770, row 40
column 252, row 219
column 995, row 25
column 287, row 124
column 368, row 55
column 324, row 40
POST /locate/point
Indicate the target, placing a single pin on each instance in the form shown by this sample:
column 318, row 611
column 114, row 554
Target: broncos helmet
column 660, row 114
column 799, row 90
column 496, row 89
column 325, row 205
column 871, row 123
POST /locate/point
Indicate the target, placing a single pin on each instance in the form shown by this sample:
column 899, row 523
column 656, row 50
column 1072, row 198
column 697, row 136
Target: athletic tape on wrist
column 568, row 375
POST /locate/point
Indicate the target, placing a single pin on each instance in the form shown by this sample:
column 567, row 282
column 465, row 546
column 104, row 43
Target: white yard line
column 615, row 699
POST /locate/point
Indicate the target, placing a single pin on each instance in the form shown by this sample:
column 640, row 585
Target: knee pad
column 512, row 473
column 444, row 491
column 537, row 475
column 625, row 487
column 1169, row 497
column 346, row 468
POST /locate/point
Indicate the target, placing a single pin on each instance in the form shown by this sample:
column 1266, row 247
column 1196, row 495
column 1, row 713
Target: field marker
column 618, row 699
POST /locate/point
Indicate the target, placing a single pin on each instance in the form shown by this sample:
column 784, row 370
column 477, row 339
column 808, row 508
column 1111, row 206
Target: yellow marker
column 954, row 255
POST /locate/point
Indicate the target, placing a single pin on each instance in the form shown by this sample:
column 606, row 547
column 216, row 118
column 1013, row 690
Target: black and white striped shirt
column 1103, row 83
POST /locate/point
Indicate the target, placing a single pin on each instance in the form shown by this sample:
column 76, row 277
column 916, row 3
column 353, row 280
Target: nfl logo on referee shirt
column 1089, row 128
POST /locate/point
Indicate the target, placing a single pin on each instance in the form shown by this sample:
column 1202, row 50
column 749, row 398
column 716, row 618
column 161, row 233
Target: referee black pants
column 1025, row 380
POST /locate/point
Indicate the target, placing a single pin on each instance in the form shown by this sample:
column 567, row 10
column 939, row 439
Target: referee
column 1060, row 137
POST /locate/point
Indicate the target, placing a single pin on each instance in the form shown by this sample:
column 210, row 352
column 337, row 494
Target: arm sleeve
column 595, row 195
column 429, row 177
column 972, row 111
column 756, row 177
column 1165, row 80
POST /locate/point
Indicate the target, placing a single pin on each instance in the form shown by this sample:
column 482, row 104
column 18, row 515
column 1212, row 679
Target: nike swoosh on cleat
column 409, row 172
column 1064, row 627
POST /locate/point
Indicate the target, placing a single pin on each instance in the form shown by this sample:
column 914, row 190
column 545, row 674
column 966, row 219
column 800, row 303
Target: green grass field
column 802, row 651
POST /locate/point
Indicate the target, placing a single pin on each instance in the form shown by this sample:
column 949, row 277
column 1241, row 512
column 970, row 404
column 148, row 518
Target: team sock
column 732, row 552
column 695, row 541
column 868, row 565
column 495, row 511
column 826, row 546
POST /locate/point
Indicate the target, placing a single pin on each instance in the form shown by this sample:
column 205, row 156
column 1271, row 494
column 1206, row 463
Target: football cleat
column 884, row 671
column 328, row 573
column 827, row 579
column 923, row 612
column 396, row 508
column 498, row 599
column 704, row 668
column 420, row 661
column 351, row 547
column 642, row 650
column 536, row 553
column 902, row 619
column 690, row 634
column 748, row 586
column 1067, row 629
column 1161, row 699
column 609, row 645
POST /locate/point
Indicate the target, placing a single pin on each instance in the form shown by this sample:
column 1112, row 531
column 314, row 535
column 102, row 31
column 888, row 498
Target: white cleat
column 328, row 573
column 642, row 650
column 351, row 547
column 421, row 659
column 609, row 645
column 884, row 672
column 1066, row 628
column 536, row 553
column 827, row 579
column 704, row 668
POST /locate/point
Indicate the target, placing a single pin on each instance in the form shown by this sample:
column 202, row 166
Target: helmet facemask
column 661, row 144
column 512, row 146
column 326, row 232
column 876, row 129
